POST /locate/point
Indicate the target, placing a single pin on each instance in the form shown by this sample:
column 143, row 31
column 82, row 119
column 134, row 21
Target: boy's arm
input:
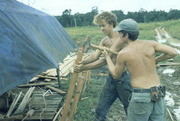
column 91, row 58
column 117, row 69
column 95, row 56
column 94, row 65
column 168, row 52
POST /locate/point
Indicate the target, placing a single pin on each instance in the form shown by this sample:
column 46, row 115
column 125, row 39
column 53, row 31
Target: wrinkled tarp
column 30, row 42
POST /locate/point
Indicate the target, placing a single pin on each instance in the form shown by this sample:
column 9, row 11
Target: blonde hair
column 108, row 17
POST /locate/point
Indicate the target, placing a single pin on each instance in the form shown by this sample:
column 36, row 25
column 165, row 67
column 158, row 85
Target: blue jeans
column 141, row 108
column 112, row 90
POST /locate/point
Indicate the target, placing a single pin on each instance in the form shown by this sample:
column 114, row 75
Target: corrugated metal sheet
column 30, row 42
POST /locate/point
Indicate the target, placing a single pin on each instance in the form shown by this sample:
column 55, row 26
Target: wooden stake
column 88, row 77
column 77, row 96
column 71, row 89
column 58, row 76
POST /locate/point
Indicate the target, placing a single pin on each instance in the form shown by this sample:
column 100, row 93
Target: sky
column 56, row 7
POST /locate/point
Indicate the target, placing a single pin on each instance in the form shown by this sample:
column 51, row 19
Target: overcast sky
column 56, row 7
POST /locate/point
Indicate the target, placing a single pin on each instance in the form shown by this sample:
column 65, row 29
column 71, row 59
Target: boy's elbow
column 174, row 54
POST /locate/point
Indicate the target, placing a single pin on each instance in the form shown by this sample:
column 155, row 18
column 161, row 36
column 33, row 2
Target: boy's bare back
column 140, row 62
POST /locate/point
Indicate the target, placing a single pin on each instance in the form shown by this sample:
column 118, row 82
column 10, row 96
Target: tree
column 120, row 15
column 67, row 18
column 142, row 16
column 173, row 14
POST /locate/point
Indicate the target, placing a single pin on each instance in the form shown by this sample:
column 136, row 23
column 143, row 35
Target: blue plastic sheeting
column 30, row 42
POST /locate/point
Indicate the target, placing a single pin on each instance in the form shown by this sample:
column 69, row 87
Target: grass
column 146, row 30
column 86, row 108
column 78, row 34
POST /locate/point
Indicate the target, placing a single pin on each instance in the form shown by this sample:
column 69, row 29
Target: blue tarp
column 30, row 42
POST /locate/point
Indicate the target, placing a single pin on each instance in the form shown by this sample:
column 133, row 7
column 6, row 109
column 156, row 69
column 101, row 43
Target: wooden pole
column 71, row 89
column 77, row 96
column 88, row 77
column 58, row 76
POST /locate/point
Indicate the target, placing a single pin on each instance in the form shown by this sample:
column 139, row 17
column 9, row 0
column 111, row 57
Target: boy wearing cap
column 107, row 21
column 147, row 102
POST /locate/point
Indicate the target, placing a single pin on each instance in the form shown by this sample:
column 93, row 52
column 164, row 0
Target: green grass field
column 146, row 30
column 86, row 108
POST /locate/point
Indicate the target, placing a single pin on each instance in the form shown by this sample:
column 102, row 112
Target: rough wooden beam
column 38, row 84
column 24, row 102
column 48, row 77
column 71, row 89
column 55, row 89
column 79, row 89
column 13, row 104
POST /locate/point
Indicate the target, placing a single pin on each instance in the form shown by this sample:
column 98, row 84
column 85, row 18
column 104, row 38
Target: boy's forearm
column 110, row 64
column 89, row 60
column 99, row 63
column 164, row 57
column 167, row 52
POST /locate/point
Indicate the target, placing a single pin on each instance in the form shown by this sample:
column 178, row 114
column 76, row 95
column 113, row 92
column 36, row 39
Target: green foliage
column 142, row 16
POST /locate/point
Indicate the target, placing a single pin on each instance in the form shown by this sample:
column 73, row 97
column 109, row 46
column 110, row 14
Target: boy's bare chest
column 108, row 43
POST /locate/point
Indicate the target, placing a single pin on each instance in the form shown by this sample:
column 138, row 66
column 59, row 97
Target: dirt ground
column 170, row 77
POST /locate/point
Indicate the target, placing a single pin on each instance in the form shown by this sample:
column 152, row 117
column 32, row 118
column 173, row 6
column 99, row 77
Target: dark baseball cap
column 129, row 25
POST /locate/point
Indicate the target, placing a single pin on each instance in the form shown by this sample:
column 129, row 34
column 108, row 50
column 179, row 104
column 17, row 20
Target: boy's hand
column 78, row 68
column 105, row 53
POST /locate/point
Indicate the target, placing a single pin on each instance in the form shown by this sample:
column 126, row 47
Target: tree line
column 142, row 16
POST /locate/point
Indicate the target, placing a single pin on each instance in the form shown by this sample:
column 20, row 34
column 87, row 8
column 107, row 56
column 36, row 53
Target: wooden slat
column 13, row 104
column 38, row 84
column 47, row 77
column 55, row 89
column 22, row 105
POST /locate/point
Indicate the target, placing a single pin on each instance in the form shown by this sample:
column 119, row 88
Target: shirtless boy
column 107, row 21
column 147, row 101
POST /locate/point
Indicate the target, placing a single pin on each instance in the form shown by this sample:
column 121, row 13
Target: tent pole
column 58, row 76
